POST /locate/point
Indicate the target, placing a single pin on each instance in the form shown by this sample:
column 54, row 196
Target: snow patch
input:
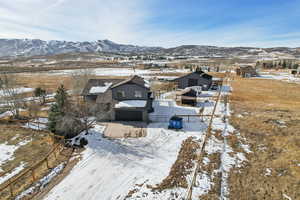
column 12, row 173
column 17, row 91
column 131, row 104
column 268, row 172
column 42, row 182
column 100, row 89
column 7, row 151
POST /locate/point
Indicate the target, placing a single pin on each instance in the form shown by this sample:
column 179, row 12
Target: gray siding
column 183, row 81
column 129, row 90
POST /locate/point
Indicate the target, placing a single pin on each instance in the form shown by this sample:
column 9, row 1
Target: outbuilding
column 189, row 95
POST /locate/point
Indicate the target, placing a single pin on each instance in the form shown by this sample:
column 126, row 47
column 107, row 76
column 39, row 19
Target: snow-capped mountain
column 32, row 47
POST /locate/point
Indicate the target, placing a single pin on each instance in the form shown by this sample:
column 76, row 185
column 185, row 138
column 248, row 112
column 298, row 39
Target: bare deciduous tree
column 83, row 111
column 41, row 94
column 80, row 79
column 10, row 94
column 33, row 111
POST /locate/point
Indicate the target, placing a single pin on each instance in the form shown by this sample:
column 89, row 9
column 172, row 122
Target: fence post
column 33, row 175
column 47, row 163
column 11, row 189
column 54, row 152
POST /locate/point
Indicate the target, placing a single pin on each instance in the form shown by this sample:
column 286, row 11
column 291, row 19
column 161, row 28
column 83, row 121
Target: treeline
column 281, row 64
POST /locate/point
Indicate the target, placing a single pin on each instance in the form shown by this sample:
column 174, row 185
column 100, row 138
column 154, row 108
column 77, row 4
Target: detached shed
column 189, row 96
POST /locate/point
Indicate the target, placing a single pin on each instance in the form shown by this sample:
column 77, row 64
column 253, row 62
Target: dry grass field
column 31, row 153
column 267, row 114
column 50, row 82
column 38, row 146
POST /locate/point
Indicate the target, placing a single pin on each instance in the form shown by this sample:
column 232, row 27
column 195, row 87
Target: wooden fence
column 18, row 183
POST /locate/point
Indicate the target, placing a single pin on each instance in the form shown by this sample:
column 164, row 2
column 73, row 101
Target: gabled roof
column 133, row 80
column 200, row 73
column 94, row 83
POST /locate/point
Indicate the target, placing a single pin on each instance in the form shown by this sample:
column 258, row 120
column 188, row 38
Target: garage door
column 129, row 115
column 188, row 102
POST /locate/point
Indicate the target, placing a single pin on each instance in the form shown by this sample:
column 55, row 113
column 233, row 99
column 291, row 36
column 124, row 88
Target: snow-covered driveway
column 110, row 168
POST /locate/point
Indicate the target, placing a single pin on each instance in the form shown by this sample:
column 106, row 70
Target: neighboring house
column 119, row 99
column 197, row 78
column 246, row 71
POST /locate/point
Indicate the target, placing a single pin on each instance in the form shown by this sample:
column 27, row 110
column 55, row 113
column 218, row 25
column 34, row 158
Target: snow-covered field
column 283, row 76
column 116, row 71
column 17, row 91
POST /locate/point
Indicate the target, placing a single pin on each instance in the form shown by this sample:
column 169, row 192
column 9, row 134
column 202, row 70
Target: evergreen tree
column 61, row 98
column 53, row 117
column 58, row 109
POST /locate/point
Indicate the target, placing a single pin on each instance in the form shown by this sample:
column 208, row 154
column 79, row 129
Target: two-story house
column 197, row 78
column 119, row 99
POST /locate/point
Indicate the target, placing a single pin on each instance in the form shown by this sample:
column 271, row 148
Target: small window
column 121, row 94
column 138, row 94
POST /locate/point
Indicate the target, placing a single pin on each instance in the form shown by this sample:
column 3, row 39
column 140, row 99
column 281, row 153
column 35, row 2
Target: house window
column 121, row 94
column 138, row 94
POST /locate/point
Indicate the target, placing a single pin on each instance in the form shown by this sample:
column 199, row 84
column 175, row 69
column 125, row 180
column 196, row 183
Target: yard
column 114, row 167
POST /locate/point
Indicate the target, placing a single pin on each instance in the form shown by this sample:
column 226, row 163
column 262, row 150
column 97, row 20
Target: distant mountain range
column 33, row 47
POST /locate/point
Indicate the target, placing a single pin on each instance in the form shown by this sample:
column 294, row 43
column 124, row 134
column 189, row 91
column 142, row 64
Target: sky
column 166, row 23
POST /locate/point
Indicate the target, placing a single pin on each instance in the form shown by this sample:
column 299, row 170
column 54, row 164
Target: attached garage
column 129, row 115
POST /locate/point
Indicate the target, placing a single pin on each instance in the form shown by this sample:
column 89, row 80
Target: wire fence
column 207, row 135
column 185, row 118
column 20, row 182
